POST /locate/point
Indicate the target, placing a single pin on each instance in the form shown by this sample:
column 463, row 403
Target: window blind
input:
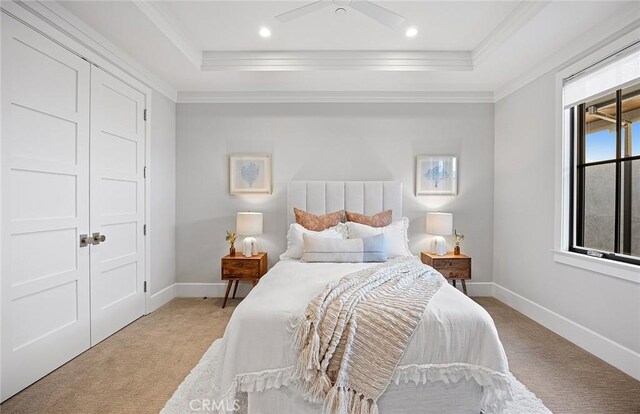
column 600, row 79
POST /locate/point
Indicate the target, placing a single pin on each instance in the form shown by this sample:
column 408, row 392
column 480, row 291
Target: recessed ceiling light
column 411, row 32
column 265, row 32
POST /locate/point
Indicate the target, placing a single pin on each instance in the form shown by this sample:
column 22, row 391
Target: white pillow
column 295, row 243
column 395, row 235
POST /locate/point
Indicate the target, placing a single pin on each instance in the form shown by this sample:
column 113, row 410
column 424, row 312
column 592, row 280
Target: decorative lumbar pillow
column 395, row 236
column 318, row 223
column 319, row 249
column 295, row 240
column 381, row 219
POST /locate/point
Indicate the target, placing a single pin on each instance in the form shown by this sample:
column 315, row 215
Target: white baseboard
column 210, row 290
column 621, row 357
column 217, row 290
column 478, row 288
column 613, row 353
column 162, row 297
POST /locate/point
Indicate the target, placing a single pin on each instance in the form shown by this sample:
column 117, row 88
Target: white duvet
column 456, row 339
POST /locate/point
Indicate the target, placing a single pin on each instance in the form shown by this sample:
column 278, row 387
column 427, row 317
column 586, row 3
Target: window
column 604, row 215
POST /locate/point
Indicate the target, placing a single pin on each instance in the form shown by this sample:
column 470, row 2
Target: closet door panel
column 45, row 205
column 117, row 204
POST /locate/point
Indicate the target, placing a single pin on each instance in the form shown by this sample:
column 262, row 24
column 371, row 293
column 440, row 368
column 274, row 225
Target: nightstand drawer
column 451, row 264
column 244, row 268
column 455, row 273
column 238, row 268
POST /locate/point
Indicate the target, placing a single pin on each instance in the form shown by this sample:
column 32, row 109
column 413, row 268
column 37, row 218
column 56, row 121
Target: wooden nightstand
column 239, row 268
column 452, row 266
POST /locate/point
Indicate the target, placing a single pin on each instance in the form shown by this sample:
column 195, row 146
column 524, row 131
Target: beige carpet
column 565, row 377
column 139, row 368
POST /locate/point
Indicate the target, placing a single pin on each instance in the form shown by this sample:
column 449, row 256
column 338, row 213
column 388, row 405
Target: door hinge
column 144, row 229
column 145, row 286
column 145, row 115
column 144, row 172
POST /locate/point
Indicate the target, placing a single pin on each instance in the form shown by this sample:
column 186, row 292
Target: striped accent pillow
column 369, row 249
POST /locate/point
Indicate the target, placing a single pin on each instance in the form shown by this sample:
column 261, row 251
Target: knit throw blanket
column 353, row 335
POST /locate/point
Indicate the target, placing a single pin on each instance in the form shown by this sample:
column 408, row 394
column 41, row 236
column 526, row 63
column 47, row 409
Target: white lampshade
column 249, row 224
column 440, row 224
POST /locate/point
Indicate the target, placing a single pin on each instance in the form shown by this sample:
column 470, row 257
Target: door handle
column 98, row 238
column 85, row 240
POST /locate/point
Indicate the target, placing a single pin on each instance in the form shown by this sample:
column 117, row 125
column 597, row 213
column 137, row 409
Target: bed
column 454, row 363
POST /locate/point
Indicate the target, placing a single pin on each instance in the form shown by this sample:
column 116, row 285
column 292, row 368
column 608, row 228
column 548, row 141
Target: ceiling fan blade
column 378, row 13
column 301, row 11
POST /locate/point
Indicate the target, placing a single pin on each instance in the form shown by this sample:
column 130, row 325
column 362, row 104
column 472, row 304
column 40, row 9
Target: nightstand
column 240, row 268
column 452, row 266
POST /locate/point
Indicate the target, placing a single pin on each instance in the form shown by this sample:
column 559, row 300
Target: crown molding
column 512, row 23
column 212, row 60
column 624, row 23
column 168, row 25
column 56, row 22
column 336, row 97
column 337, row 60
column 59, row 24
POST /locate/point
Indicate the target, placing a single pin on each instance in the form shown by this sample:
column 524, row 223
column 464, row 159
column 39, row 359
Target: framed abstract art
column 436, row 175
column 250, row 174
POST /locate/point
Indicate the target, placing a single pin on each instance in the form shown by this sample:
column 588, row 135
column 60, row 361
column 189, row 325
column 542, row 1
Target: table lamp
column 249, row 224
column 438, row 225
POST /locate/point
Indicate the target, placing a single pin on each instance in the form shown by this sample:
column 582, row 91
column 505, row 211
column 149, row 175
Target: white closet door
column 45, row 206
column 117, row 204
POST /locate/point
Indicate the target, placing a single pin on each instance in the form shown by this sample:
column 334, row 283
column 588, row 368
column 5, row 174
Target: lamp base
column 249, row 246
column 438, row 245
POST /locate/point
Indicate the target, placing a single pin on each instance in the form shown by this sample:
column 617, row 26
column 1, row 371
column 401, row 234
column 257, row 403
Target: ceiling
column 461, row 46
column 235, row 25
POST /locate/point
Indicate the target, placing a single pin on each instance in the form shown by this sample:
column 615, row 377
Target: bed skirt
column 198, row 394
column 462, row 397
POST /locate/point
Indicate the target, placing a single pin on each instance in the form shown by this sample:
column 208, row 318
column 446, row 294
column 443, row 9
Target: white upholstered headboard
column 365, row 197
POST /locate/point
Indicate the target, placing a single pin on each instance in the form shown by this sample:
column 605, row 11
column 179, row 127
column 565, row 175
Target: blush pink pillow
column 379, row 220
column 318, row 223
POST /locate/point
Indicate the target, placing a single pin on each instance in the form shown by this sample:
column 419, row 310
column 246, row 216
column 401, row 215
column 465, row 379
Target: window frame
column 577, row 168
column 560, row 253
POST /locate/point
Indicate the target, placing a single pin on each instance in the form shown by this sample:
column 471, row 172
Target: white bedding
column 456, row 340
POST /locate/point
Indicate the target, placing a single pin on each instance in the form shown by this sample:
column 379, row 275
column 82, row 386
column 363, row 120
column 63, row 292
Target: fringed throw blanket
column 353, row 334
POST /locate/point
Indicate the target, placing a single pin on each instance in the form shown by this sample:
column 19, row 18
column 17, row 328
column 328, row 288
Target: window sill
column 625, row 271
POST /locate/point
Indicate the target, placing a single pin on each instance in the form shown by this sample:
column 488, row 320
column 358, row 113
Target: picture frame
column 436, row 175
column 250, row 174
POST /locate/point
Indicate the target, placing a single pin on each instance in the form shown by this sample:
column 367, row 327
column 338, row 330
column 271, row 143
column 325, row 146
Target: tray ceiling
column 473, row 46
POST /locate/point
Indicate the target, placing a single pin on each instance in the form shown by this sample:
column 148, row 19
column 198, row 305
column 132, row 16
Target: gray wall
column 524, row 224
column 162, row 229
column 327, row 142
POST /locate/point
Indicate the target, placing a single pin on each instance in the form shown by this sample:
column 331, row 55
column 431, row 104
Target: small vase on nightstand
column 232, row 250
column 458, row 238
